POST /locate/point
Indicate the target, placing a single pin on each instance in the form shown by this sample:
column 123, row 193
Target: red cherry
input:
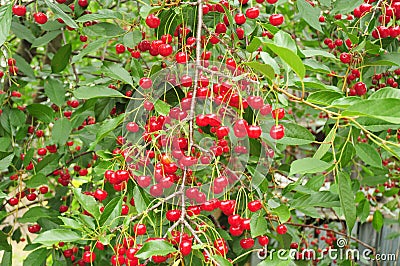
column 276, row 19
column 220, row 28
column 236, row 231
column 360, row 88
column 120, row 48
column 263, row 240
column 254, row 131
column 277, row 132
column 240, row 18
column 240, row 128
column 247, row 243
column 294, row 245
column 165, row 49
column 240, row 33
column 122, row 175
column 345, row 58
column 278, row 113
column 186, row 81
column 235, row 220
column 181, row 57
column 40, row 17
column 143, row 181
column 44, row 189
column 252, row 12
column 124, row 209
column 19, row 10
column 221, row 246
column 227, row 206
column 254, row 205
column 63, row 208
column 100, row 194
column 281, row 229
column 83, row 38
column 89, row 257
column 132, row 127
column 13, row 201
column 272, row 1
column 139, row 229
column 152, row 21
column 145, row 83
column 42, row 151
column 185, row 247
column 173, row 215
column 245, row 224
column 83, row 3
column 31, row 196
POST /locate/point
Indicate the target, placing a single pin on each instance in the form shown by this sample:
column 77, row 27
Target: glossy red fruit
column 181, row 57
column 19, row 10
column 139, row 229
column 185, row 247
column 235, row 220
column 143, row 181
column 263, row 240
column 132, row 127
column 276, row 19
column 120, row 48
column 345, row 58
column 122, row 175
column 281, row 229
column 13, row 201
column 145, row 83
column 165, row 49
column 278, row 113
column 240, row 18
column 40, row 17
column 173, row 215
column 83, row 3
column 254, row 131
column 254, row 205
column 100, row 194
column 247, row 243
column 42, row 151
column 240, row 128
column 152, row 21
column 360, row 88
column 272, row 1
column 277, row 132
column 252, row 12
column 221, row 246
column 124, row 209
column 88, row 256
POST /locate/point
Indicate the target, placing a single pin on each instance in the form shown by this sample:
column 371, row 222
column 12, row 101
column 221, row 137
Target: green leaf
column 7, row 258
column 386, row 93
column 363, row 210
column 111, row 212
column 71, row 223
column 324, row 97
column 22, row 32
column 106, row 128
column 296, row 135
column 132, row 38
column 85, row 92
column 308, row 166
column 347, row 201
column 155, row 248
column 162, row 107
column 389, row 59
column 258, row 224
column 61, row 58
column 60, row 14
column 385, row 109
column 45, row 39
column 36, row 180
column 345, row 102
column 368, row 155
column 264, row 69
column 289, row 57
column 87, row 202
column 55, row 90
column 140, row 202
column 310, row 14
column 323, row 148
column 221, row 260
column 41, row 112
column 5, row 22
column 61, row 130
column 324, row 199
column 253, row 45
column 23, row 66
column 51, row 158
column 54, row 236
column 107, row 14
column 103, row 29
column 4, row 245
column 37, row 212
column 5, row 144
column 377, row 220
column 118, row 72
column 37, row 257
column 5, row 162
column 311, row 53
column 282, row 212
column 92, row 47
column 284, row 39
column 345, row 6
